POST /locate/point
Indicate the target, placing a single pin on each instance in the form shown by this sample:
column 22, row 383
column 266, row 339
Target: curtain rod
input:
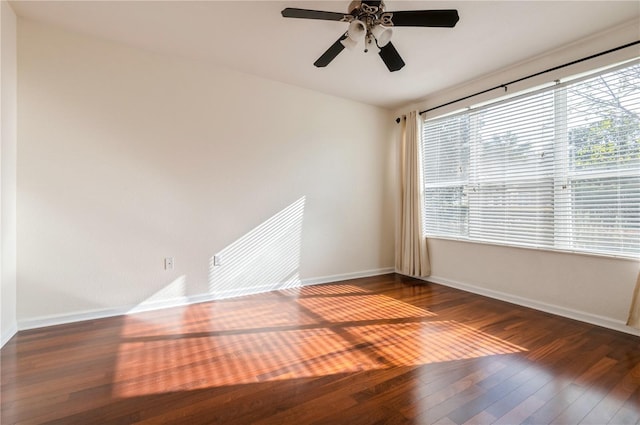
column 633, row 43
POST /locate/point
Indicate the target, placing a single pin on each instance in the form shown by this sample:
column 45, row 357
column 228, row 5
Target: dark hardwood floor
column 380, row 350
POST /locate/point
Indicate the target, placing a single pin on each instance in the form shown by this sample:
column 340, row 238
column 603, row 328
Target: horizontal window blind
column 557, row 169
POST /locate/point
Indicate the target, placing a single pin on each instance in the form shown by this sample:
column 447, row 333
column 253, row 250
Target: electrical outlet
column 168, row 263
column 216, row 260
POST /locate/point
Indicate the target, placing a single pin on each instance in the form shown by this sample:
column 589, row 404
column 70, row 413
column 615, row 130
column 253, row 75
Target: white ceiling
column 252, row 37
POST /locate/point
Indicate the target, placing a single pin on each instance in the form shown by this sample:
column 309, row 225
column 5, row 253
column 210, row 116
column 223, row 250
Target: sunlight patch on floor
column 326, row 289
column 361, row 307
column 238, row 342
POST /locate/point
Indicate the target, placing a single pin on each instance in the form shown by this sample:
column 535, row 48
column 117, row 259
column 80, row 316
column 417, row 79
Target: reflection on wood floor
column 386, row 349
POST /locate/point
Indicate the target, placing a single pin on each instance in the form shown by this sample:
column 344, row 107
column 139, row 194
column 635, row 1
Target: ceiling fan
column 370, row 22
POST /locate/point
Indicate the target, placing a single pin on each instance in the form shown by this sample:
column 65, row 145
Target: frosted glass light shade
column 357, row 30
column 382, row 34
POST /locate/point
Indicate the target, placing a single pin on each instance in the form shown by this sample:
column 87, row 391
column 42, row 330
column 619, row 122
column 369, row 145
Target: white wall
column 8, row 107
column 589, row 288
column 127, row 157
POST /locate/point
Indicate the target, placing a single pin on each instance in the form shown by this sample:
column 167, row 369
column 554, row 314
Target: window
column 555, row 169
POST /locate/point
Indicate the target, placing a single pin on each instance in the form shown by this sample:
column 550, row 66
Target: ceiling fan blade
column 330, row 54
column 391, row 57
column 291, row 12
column 425, row 18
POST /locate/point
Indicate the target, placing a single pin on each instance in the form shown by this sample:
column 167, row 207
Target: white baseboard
column 346, row 276
column 232, row 293
column 8, row 334
column 581, row 316
column 60, row 319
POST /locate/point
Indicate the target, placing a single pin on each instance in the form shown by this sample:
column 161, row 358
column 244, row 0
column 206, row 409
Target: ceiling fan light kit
column 369, row 21
column 382, row 35
column 357, row 30
column 349, row 43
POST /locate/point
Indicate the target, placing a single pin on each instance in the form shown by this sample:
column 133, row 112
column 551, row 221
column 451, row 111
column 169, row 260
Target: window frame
column 561, row 178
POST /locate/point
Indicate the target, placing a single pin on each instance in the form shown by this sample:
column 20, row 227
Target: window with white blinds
column 556, row 169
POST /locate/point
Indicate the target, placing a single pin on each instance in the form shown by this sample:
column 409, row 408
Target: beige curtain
column 634, row 314
column 412, row 256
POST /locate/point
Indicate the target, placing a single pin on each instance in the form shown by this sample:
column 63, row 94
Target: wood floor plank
column 383, row 349
column 604, row 411
column 629, row 412
column 509, row 392
column 520, row 412
column 481, row 418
